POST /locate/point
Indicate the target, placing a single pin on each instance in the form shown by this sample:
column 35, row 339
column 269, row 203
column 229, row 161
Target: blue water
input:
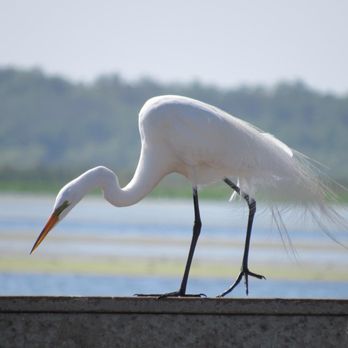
column 78, row 285
column 22, row 218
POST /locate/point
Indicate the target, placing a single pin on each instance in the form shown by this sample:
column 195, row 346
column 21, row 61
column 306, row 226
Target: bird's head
column 66, row 199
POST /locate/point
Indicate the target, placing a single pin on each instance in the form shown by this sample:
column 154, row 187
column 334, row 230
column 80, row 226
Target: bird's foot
column 148, row 295
column 246, row 273
column 181, row 294
column 171, row 294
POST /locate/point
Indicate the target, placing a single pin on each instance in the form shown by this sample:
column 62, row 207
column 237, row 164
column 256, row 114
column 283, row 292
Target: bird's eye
column 63, row 206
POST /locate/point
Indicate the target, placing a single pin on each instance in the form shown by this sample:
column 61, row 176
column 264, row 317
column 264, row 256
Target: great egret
column 204, row 144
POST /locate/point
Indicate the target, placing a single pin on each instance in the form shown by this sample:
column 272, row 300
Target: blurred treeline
column 53, row 128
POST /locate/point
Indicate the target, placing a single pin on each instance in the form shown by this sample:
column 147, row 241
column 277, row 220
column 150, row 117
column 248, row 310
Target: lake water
column 78, row 285
column 159, row 231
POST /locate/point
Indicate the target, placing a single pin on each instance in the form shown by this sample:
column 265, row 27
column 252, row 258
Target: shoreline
column 169, row 268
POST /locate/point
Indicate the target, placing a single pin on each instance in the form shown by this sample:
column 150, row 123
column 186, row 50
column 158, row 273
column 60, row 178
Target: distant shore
column 180, row 190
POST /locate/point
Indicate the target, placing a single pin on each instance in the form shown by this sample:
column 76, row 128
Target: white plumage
column 206, row 145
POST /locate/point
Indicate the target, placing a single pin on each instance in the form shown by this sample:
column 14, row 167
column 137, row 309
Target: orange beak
column 53, row 219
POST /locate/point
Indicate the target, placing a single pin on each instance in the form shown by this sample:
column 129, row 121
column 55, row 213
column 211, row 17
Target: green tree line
column 52, row 128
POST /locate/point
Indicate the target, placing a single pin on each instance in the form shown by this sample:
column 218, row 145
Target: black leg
column 245, row 270
column 196, row 232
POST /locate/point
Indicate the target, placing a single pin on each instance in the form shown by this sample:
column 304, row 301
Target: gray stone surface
column 149, row 322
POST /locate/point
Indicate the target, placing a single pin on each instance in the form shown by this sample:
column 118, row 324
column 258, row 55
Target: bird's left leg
column 195, row 235
column 245, row 270
column 196, row 232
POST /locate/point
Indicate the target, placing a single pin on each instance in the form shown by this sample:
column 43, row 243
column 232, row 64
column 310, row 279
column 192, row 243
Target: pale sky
column 223, row 42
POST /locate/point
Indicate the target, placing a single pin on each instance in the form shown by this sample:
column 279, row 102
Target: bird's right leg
column 245, row 270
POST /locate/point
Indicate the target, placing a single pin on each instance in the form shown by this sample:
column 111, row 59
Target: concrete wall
column 149, row 322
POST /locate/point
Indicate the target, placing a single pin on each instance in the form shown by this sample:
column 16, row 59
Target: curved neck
column 146, row 177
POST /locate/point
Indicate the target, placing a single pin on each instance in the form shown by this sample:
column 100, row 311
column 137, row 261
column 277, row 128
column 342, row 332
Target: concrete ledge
column 187, row 322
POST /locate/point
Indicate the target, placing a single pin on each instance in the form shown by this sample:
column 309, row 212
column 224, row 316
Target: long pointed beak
column 53, row 219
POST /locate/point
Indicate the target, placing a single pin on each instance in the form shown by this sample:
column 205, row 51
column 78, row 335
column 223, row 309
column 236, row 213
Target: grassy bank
column 268, row 257
column 178, row 188
column 174, row 268
column 167, row 189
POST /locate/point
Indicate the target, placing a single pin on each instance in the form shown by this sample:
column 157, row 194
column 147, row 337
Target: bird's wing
column 278, row 143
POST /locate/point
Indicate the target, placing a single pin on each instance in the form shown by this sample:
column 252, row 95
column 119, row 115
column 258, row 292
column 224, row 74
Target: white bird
column 206, row 145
